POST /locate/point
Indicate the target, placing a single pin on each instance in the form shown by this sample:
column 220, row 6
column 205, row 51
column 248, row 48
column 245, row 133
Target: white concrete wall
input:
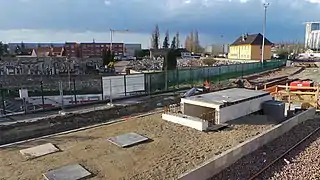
column 67, row 99
column 218, row 163
column 188, row 121
column 242, row 109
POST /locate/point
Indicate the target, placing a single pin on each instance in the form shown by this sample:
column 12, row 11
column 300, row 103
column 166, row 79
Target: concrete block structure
column 207, row 110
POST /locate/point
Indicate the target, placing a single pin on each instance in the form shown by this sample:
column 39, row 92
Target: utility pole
column 265, row 6
column 222, row 44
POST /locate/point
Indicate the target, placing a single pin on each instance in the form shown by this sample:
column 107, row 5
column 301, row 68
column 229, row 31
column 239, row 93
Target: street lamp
column 265, row 6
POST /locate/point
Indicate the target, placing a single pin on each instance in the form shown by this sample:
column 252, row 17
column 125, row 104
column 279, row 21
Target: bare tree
column 192, row 46
column 188, row 43
column 196, row 42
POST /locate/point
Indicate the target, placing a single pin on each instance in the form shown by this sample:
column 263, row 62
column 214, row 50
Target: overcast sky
column 83, row 20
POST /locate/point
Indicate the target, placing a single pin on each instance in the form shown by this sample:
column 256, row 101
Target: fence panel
column 85, row 89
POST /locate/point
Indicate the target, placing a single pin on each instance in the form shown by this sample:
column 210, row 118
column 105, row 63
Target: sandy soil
column 282, row 72
column 174, row 150
column 309, row 73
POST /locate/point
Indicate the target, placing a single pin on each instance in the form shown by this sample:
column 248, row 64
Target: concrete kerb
column 227, row 158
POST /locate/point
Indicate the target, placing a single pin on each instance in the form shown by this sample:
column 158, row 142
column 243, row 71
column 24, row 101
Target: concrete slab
column 70, row 172
column 232, row 95
column 129, row 139
column 40, row 150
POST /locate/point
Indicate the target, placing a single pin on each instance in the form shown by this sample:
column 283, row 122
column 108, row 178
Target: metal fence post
column 219, row 76
column 191, row 72
column 125, row 84
column 102, row 94
column 242, row 70
column 110, row 88
column 61, row 94
column 178, row 78
column 42, row 96
column 3, row 102
column 75, row 91
column 149, row 85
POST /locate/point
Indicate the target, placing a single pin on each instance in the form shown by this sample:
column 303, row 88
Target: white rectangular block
column 188, row 121
column 40, row 150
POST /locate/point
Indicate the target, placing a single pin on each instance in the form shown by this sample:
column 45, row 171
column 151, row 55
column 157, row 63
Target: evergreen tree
column 18, row 50
column 22, row 46
column 156, row 38
column 5, row 48
column 173, row 43
column 177, row 41
column 166, row 41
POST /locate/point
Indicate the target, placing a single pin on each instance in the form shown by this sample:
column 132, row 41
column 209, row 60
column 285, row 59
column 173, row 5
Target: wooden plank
column 297, row 93
column 297, row 87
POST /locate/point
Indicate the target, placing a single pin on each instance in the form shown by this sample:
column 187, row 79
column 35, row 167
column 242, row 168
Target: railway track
column 272, row 163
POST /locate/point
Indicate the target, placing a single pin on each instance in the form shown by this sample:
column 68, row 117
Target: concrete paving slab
column 40, row 150
column 129, row 139
column 69, row 172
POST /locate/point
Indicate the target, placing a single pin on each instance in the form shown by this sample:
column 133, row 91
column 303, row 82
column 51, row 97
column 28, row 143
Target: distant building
column 130, row 49
column 312, row 36
column 72, row 49
column 249, row 47
column 27, row 53
column 94, row 49
column 216, row 49
column 57, row 51
column 43, row 51
column 13, row 46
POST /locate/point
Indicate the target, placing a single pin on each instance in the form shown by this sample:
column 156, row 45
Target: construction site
column 189, row 135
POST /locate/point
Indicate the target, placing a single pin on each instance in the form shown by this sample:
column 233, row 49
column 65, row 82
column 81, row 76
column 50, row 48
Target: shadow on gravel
column 253, row 119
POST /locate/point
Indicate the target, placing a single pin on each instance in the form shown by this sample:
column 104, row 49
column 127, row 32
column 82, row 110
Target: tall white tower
column 310, row 27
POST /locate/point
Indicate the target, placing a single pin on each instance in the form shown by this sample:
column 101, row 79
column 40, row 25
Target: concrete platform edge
column 227, row 158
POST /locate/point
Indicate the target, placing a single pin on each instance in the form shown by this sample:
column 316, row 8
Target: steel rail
column 281, row 156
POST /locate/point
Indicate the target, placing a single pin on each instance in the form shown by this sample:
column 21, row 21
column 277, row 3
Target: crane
column 112, row 31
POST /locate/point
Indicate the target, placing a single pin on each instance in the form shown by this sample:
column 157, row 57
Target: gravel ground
column 174, row 150
column 309, row 73
column 287, row 71
column 252, row 163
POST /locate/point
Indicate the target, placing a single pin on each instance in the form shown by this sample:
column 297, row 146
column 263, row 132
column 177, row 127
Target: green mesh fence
column 196, row 76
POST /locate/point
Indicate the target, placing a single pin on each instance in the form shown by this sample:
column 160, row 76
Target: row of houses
column 71, row 49
column 42, row 52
